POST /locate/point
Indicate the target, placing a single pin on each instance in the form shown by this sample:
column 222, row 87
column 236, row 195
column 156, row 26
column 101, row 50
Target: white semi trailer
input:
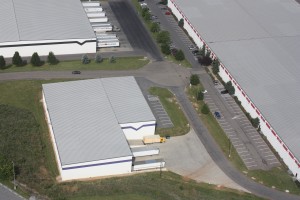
column 95, row 14
column 100, row 28
column 108, row 43
column 106, row 36
column 98, row 19
column 91, row 4
column 93, row 9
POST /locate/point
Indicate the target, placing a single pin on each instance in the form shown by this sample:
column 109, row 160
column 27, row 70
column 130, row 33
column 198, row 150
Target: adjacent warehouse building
column 257, row 43
column 89, row 122
column 43, row 26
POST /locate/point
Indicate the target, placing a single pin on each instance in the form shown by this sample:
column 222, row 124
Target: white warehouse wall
column 292, row 163
column 43, row 49
column 47, row 117
column 136, row 131
column 106, row 167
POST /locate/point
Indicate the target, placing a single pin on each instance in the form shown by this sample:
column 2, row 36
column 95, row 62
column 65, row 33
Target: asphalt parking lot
column 162, row 118
column 130, row 23
column 249, row 144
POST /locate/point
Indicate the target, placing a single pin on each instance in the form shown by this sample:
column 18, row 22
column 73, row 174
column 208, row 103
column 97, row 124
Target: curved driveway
column 176, row 78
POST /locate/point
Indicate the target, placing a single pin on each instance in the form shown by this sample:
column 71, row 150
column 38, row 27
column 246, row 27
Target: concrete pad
column 186, row 155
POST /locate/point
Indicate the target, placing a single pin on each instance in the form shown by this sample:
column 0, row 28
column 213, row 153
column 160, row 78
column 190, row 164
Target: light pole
column 230, row 146
column 15, row 187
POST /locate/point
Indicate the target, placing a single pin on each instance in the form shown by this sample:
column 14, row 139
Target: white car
column 204, row 91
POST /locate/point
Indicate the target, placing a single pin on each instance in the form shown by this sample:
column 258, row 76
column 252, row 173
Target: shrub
column 204, row 60
column 17, row 59
column 230, row 88
column 85, row 59
column 52, row 60
column 205, row 109
column 200, row 96
column 155, row 27
column 112, row 59
column 165, row 49
column 215, row 66
column 147, row 16
column 163, row 37
column 179, row 55
column 194, row 79
column 2, row 62
column 181, row 23
column 98, row 58
column 202, row 50
column 144, row 11
column 35, row 59
column 164, row 2
column 255, row 122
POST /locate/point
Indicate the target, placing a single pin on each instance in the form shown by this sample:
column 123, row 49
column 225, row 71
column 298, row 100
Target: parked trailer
column 100, row 24
column 95, row 14
column 91, row 4
column 108, row 36
column 108, row 43
column 153, row 139
column 144, row 151
column 102, row 28
column 93, row 9
column 148, row 164
column 98, row 19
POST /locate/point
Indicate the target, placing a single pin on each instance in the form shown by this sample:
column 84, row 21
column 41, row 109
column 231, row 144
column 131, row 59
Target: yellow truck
column 150, row 139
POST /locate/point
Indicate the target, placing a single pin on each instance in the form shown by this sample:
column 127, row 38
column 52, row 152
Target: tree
column 98, row 58
column 204, row 60
column 17, row 60
column 181, row 23
column 202, row 50
column 194, row 79
column 164, row 2
column 165, row 49
column 255, row 122
column 208, row 53
column 230, row 88
column 2, row 62
column 147, row 16
column 179, row 55
column 6, row 169
column 112, row 59
column 85, row 59
column 205, row 109
column 215, row 66
column 144, row 11
column 52, row 60
column 200, row 96
column 35, row 59
column 155, row 27
column 163, row 37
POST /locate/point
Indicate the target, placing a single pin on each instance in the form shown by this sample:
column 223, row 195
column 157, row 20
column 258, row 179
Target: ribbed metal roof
column 84, row 124
column 43, row 20
column 258, row 42
column 127, row 100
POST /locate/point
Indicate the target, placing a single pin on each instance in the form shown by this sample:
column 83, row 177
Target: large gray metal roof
column 43, row 20
column 84, row 124
column 258, row 42
column 127, row 100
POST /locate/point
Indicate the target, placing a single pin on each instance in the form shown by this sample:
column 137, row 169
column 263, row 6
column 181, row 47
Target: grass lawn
column 122, row 63
column 174, row 111
column 27, row 142
column 277, row 177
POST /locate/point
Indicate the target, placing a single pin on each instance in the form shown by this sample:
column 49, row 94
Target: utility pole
column 15, row 186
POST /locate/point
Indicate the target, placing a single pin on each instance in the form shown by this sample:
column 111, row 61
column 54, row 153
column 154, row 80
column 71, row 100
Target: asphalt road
column 138, row 36
column 8, row 194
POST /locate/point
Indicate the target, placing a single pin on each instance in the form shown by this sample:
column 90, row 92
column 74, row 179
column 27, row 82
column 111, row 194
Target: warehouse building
column 257, row 43
column 90, row 122
column 43, row 26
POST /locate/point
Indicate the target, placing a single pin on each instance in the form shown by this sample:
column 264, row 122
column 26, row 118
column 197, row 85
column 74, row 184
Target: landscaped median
column 276, row 178
column 121, row 63
column 27, row 143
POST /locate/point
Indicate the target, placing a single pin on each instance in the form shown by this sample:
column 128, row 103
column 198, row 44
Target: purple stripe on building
column 136, row 129
column 98, row 164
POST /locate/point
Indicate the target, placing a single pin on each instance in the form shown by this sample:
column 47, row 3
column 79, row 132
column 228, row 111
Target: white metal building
column 86, row 119
column 43, row 26
column 257, row 43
